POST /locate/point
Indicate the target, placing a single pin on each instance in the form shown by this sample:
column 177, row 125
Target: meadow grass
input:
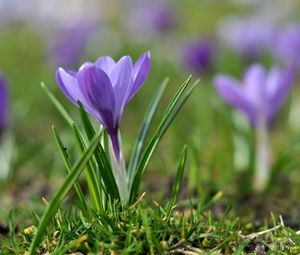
column 149, row 228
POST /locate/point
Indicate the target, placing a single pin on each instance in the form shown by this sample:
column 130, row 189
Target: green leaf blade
column 139, row 145
column 173, row 108
column 64, row 156
column 57, row 104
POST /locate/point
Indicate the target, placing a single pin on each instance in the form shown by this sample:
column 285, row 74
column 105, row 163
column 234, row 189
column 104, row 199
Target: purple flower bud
column 4, row 102
column 198, row 55
column 287, row 46
column 260, row 94
column 104, row 88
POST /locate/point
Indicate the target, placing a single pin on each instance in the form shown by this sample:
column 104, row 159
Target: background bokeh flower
column 71, row 44
column 199, row 55
column 149, row 20
column 287, row 46
column 259, row 95
column 249, row 37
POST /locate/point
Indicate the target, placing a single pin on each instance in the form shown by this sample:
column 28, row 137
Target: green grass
column 146, row 228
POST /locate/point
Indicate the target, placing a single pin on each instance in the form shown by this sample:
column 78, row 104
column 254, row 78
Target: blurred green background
column 28, row 35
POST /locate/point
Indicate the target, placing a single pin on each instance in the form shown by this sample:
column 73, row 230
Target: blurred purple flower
column 287, row 46
column 104, row 88
column 198, row 55
column 260, row 94
column 160, row 17
column 71, row 44
column 155, row 17
column 249, row 37
column 4, row 101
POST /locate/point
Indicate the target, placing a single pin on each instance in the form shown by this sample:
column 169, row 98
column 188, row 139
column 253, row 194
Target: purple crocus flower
column 260, row 94
column 104, row 88
column 160, row 17
column 71, row 44
column 3, row 104
column 287, row 46
column 198, row 55
column 155, row 17
column 249, row 37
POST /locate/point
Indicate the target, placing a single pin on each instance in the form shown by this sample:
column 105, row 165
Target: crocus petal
column 139, row 73
column 231, row 92
column 121, row 79
column 281, row 83
column 106, row 63
column 97, row 90
column 68, row 84
column 273, row 81
column 254, row 85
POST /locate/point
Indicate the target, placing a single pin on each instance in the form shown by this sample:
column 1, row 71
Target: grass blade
column 62, row 192
column 176, row 98
column 90, row 173
column 148, row 231
column 177, row 108
column 57, row 104
column 88, row 127
column 106, row 173
column 139, row 145
column 178, row 181
column 64, row 156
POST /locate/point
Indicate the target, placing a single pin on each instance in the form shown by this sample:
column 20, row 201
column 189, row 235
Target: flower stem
column 263, row 156
column 118, row 166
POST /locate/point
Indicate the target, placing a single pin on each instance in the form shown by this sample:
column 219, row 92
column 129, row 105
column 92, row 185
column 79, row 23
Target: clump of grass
column 145, row 228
